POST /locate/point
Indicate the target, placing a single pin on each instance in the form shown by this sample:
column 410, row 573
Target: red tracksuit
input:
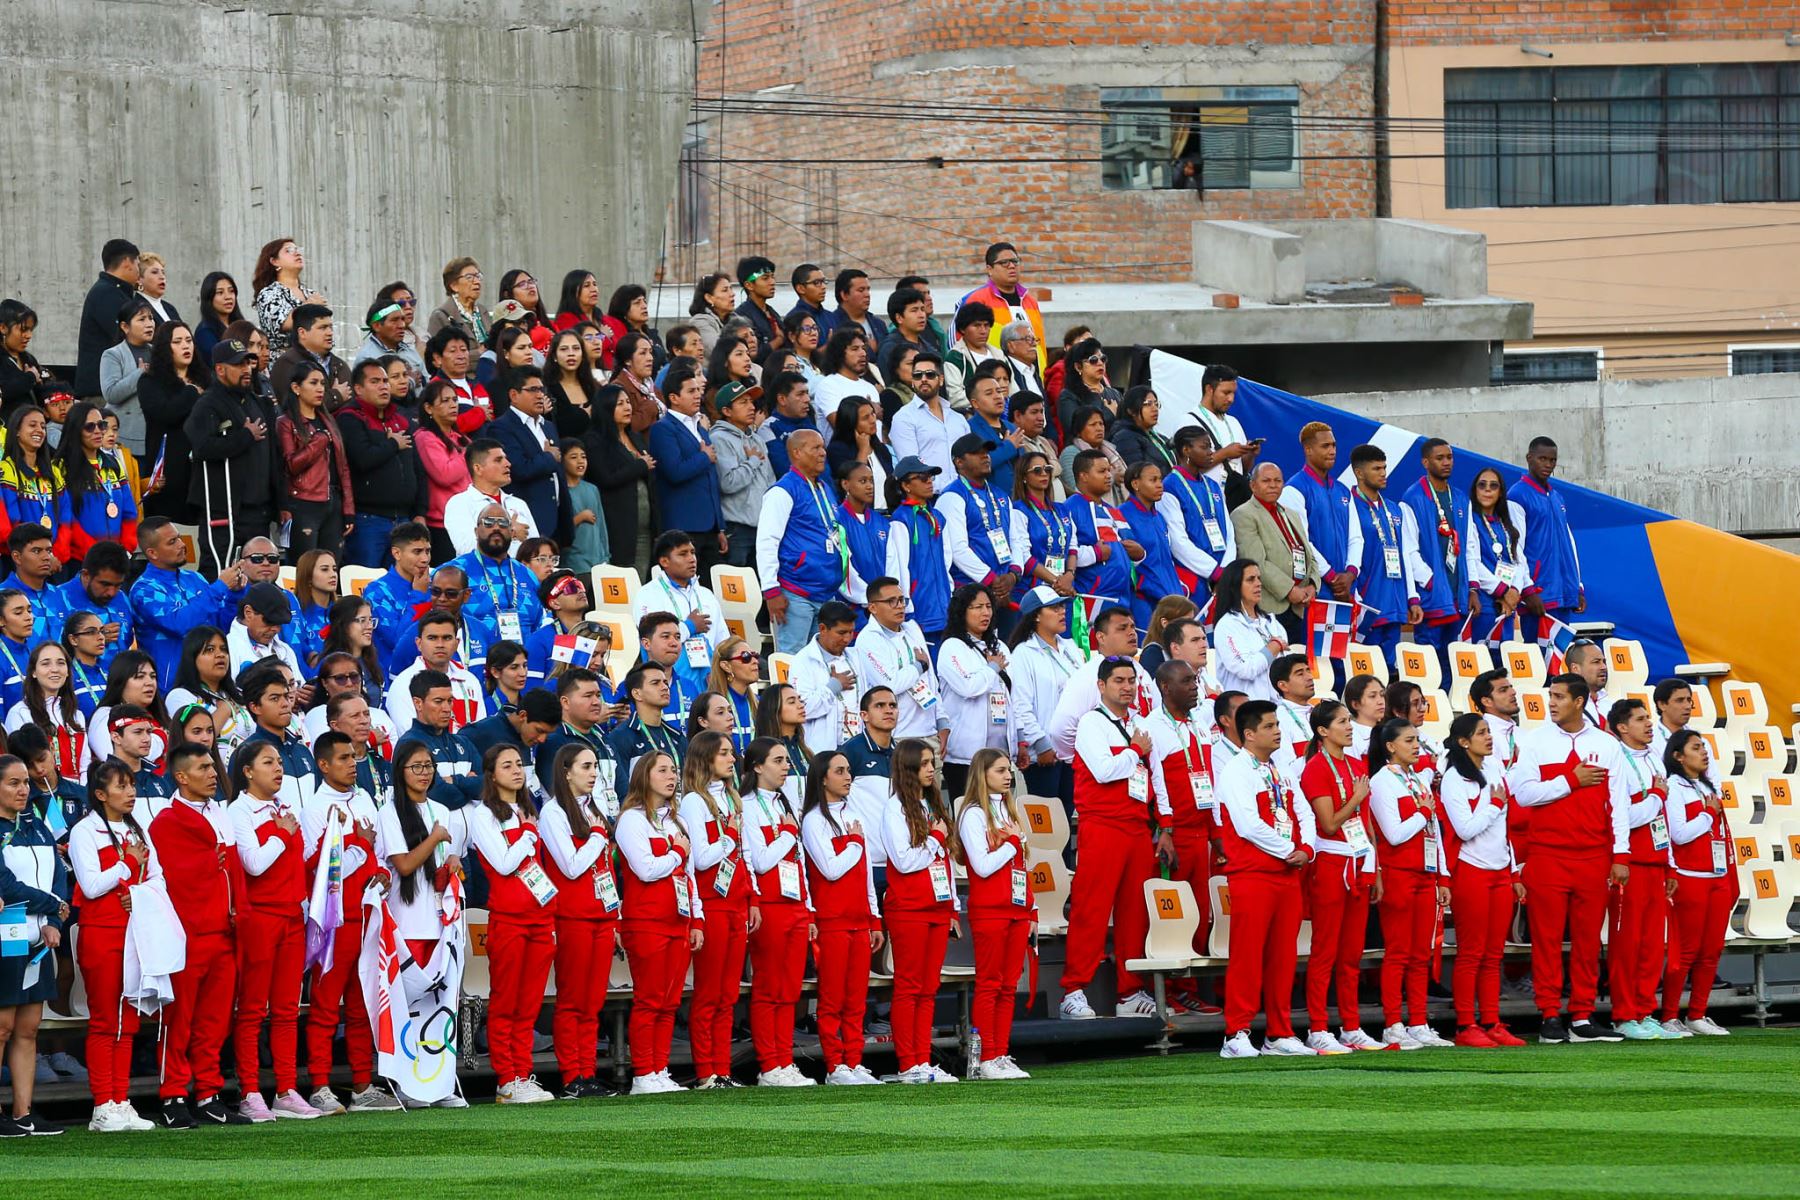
column 337, row 994
column 194, row 846
column 1639, row 914
column 919, row 907
column 1264, row 890
column 271, row 947
column 587, row 923
column 658, row 913
column 1481, row 889
column 1002, row 911
column 1337, row 891
column 1577, row 834
column 521, row 941
column 1705, row 893
column 1412, row 869
column 719, row 963
column 111, row 1022
column 1182, row 774
column 1113, row 855
column 778, row 947
column 846, row 918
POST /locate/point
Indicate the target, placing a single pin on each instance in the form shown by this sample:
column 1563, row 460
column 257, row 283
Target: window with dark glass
column 1552, row 366
column 1773, row 360
column 1200, row 138
column 1702, row 133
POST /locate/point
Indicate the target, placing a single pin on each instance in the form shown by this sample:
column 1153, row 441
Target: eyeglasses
column 819, row 282
column 523, row 280
column 896, row 598
column 808, row 327
column 1095, row 359
column 369, row 619
column 262, row 560
column 422, row 768
column 1038, row 471
column 1486, row 484
column 447, row 593
column 494, row 522
column 548, row 559
column 343, row 677
column 534, row 390
column 408, row 302
column 469, row 277
column 1006, row 262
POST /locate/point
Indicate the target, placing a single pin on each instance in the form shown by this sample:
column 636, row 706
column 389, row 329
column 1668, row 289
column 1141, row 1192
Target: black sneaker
column 573, row 1089
column 593, row 1089
column 214, row 1111
column 1594, row 1031
column 176, row 1114
column 37, row 1126
column 727, row 1081
column 10, row 1128
column 1553, row 1030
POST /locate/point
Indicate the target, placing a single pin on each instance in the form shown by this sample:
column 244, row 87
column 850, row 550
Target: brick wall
column 858, row 207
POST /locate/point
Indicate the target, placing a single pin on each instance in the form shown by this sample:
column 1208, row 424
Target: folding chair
column 353, row 579
column 1046, row 825
column 1050, row 883
column 1219, row 941
column 1524, row 661
column 1418, row 664
column 1467, row 661
column 1366, row 660
column 1627, row 665
column 740, row 596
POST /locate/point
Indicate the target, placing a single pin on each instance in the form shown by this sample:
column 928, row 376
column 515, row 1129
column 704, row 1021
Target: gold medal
column 112, row 510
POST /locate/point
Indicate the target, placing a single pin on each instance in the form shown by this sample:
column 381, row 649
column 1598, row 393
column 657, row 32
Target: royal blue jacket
column 395, row 603
column 867, row 536
column 1003, row 455
column 1382, row 526
column 169, row 603
column 71, row 598
column 921, row 546
column 1156, row 575
column 1327, row 518
column 1446, row 597
column 1100, row 528
column 1549, row 544
column 807, row 568
column 686, row 480
column 505, row 586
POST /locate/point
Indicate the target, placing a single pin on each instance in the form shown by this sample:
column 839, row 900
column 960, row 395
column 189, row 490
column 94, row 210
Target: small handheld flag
column 1330, row 624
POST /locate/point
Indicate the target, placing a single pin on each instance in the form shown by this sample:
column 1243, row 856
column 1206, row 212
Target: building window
column 1765, row 360
column 1702, row 133
column 1546, row 366
column 1200, row 138
column 694, row 191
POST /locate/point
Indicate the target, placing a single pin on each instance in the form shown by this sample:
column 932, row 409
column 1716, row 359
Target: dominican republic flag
column 325, row 908
column 1554, row 637
column 1330, row 624
column 573, row 649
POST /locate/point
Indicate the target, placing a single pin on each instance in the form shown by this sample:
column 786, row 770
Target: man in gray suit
column 1274, row 538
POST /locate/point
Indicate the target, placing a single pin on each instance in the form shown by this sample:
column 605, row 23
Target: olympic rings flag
column 412, row 1008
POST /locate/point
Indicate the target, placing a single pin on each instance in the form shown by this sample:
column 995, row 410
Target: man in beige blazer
column 1274, row 538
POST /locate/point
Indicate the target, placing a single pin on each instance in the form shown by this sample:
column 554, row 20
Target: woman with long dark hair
column 84, row 638
column 203, row 676
column 218, row 312
column 94, row 484
column 571, row 385
column 620, row 462
column 1706, row 888
column 441, row 447
column 1367, row 703
column 173, row 379
column 49, row 704
column 350, row 629
column 713, row 303
column 1484, row 883
column 843, row 892
column 772, row 850
column 920, row 905
column 1246, row 640
column 781, row 714
column 1414, row 882
column 587, row 915
column 579, row 300
column 28, row 491
column 130, row 680
column 1498, row 570
column 856, row 437
column 278, row 291
column 1134, row 435
column 637, row 375
column 316, row 588
column 319, row 498
column 712, row 811
column 972, row 667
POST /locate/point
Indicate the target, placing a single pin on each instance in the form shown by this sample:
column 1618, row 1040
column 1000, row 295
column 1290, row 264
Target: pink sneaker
column 293, row 1106
column 252, row 1108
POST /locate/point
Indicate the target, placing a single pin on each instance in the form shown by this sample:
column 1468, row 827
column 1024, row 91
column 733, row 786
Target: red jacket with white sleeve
column 1701, row 838
column 1181, row 771
column 1105, row 762
column 1567, row 819
column 1251, row 795
column 1411, row 838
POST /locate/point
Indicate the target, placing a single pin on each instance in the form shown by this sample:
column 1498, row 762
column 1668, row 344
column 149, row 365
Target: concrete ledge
column 1436, row 259
column 1254, row 261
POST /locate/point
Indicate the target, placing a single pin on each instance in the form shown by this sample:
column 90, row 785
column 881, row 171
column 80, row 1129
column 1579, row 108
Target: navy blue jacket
column 536, row 473
column 686, row 480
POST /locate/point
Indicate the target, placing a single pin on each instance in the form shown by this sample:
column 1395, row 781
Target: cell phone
column 1257, row 442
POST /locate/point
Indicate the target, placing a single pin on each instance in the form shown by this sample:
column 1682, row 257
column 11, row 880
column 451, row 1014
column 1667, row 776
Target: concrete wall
column 1724, row 452
column 386, row 136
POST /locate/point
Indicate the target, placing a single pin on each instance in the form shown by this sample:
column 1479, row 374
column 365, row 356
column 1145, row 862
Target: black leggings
column 318, row 525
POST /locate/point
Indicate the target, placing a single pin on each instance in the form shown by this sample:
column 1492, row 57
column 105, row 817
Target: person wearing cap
column 979, row 541
column 240, row 472
column 1202, row 536
column 801, row 555
column 686, row 479
column 916, row 552
column 388, row 322
column 314, row 337
column 1043, row 662
column 1105, row 551
column 927, row 427
column 256, row 632
column 745, row 470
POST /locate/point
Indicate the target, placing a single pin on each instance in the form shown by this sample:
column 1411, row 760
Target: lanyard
column 1209, row 508
column 1339, row 785
column 1408, row 777
column 512, row 588
column 666, row 743
column 1055, row 654
column 769, row 814
column 11, row 661
column 1277, row 801
column 1059, row 529
column 1282, row 710
column 1187, row 742
column 1631, row 759
column 677, row 598
column 990, row 510
column 1501, row 548
column 1384, row 521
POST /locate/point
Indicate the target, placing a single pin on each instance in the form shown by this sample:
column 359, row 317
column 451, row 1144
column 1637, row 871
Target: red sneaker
column 1500, row 1035
column 1476, row 1036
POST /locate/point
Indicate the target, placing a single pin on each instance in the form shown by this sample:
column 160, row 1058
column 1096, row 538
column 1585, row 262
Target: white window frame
column 1731, row 349
column 1599, row 353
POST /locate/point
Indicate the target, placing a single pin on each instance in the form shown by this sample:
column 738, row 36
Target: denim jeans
column 802, row 622
column 367, row 545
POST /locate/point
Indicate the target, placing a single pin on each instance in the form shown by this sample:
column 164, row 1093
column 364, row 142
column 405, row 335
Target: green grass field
column 1694, row 1118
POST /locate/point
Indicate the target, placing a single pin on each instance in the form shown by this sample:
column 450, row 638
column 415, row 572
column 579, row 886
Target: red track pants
column 1193, row 863
column 1565, row 892
column 842, row 954
column 1408, row 917
column 1339, row 898
column 1696, row 939
column 519, row 956
column 1111, row 864
column 111, row 1024
column 271, row 952
column 198, row 1021
column 718, row 977
column 777, row 970
column 658, row 952
column 920, row 942
column 337, row 995
column 1265, row 932
column 584, row 953
column 1639, row 918
column 999, row 957
column 1482, row 901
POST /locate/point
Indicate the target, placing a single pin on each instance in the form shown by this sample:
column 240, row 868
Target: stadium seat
column 1418, row 664
column 191, row 535
column 1046, row 824
column 1778, row 791
column 352, row 579
column 625, row 644
column 476, row 981
column 1721, row 751
column 1706, row 708
column 779, row 666
column 1736, row 803
column 740, row 596
column 1437, row 715
column 1174, row 918
column 1790, row 848
column 1766, row 754
column 288, row 578
column 1218, row 943
column 1366, row 660
column 1766, row 916
column 1626, row 664
column 1050, row 882
column 1467, row 660
column 613, row 589
column 1534, row 706
column 1524, row 661
column 1744, row 704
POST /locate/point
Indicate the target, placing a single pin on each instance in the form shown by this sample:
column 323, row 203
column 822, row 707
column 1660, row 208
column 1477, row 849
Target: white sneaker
column 939, row 1075
column 842, row 1077
column 1425, row 1035
column 106, row 1119
column 374, row 1098
column 1287, row 1047
column 1013, row 1069
column 326, row 1101
column 1707, row 1027
column 504, row 1093
column 129, row 1120
column 990, row 1069
column 798, row 1078
column 453, row 1100
column 1320, row 1041
column 779, row 1077
column 647, row 1085
column 864, row 1075
column 1396, row 1035
column 529, row 1091
column 1075, row 1007
column 918, row 1074
column 1138, row 1004
column 1677, row 1028
column 1238, row 1046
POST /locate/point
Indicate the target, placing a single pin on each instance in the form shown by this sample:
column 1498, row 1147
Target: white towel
column 155, row 948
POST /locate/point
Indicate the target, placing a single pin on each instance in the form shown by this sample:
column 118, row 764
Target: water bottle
column 974, row 1062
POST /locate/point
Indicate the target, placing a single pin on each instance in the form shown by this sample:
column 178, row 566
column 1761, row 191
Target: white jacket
column 970, row 685
column 155, row 948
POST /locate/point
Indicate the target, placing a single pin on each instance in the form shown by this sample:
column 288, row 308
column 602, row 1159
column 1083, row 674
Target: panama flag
column 573, row 649
column 1554, row 637
column 325, row 908
column 1330, row 624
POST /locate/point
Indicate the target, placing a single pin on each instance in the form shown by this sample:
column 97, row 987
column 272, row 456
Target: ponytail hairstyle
column 638, row 794
column 1322, row 715
column 1456, row 755
column 566, row 799
column 815, row 787
column 697, row 771
column 768, row 717
column 241, row 761
column 755, row 755
column 104, row 773
column 1678, row 743
column 976, row 796
column 1385, row 735
column 412, row 822
column 1355, row 690
column 490, row 788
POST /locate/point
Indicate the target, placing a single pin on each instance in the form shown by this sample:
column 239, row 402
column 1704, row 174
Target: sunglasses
column 262, row 560
column 925, row 375
column 495, row 522
column 748, row 656
column 1094, row 359
column 447, row 593
column 343, row 677
column 93, row 426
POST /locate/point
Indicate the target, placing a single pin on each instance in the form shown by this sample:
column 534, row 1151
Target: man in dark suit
column 686, row 476
column 530, row 444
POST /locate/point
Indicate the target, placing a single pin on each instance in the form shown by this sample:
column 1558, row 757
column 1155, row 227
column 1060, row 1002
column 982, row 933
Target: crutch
column 229, row 521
